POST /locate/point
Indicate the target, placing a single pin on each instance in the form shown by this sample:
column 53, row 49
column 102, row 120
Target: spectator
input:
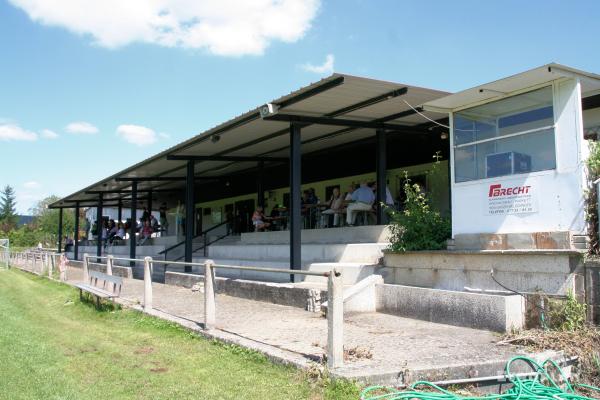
column 68, row 244
column 351, row 189
column 336, row 204
column 362, row 200
column 146, row 233
column 119, row 235
column 258, row 220
column 164, row 223
column 154, row 223
column 145, row 215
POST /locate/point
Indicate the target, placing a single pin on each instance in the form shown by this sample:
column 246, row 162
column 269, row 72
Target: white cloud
column 48, row 134
column 9, row 132
column 223, row 27
column 137, row 134
column 81, row 127
column 325, row 68
column 31, row 185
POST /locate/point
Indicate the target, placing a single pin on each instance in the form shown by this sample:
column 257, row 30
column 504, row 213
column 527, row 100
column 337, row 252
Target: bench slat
column 95, row 291
column 117, row 280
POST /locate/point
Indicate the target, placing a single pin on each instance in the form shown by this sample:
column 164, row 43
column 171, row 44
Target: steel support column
column 132, row 222
column 99, row 227
column 120, row 211
column 295, row 198
column 150, row 202
column 76, row 233
column 260, row 187
column 60, row 229
column 189, row 213
column 380, row 170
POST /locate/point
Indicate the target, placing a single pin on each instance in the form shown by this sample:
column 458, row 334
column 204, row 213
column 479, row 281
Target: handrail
column 200, row 234
column 224, row 266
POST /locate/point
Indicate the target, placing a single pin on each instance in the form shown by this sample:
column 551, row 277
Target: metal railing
column 205, row 237
column 335, row 300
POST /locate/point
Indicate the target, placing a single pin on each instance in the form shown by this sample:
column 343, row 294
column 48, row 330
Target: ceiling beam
column 368, row 102
column 311, row 92
column 223, row 158
column 307, row 119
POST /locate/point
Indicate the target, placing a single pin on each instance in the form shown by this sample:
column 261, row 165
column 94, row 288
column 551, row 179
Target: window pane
column 514, row 155
column 499, row 155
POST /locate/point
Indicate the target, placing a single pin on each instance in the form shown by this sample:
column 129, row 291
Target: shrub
column 568, row 315
column 417, row 226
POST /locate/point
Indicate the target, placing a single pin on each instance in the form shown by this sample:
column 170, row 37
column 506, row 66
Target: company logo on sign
column 498, row 191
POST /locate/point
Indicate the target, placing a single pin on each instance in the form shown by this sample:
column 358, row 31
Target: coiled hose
column 542, row 387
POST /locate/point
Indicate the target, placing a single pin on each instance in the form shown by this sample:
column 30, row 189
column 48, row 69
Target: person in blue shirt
column 362, row 200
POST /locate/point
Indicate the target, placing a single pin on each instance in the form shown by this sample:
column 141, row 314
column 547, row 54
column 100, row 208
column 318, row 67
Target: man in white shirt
column 362, row 200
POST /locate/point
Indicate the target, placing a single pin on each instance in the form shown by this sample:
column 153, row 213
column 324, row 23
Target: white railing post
column 147, row 284
column 335, row 320
column 86, row 268
column 209, row 295
column 109, row 264
column 50, row 263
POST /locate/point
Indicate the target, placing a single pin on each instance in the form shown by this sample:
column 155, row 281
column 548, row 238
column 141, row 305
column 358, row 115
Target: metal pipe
column 60, row 229
column 132, row 221
column 381, row 169
column 295, row 198
column 189, row 213
column 99, row 226
column 76, row 233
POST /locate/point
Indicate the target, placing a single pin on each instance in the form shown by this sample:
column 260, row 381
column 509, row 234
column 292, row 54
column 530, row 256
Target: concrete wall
column 474, row 310
column 283, row 294
column 553, row 272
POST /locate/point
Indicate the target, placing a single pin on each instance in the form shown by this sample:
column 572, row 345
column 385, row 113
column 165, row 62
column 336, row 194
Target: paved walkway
column 391, row 344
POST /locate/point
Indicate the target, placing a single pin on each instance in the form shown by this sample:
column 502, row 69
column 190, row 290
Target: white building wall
column 557, row 195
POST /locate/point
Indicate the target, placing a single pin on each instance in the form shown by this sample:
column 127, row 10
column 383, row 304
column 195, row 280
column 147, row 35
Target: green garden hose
column 542, row 387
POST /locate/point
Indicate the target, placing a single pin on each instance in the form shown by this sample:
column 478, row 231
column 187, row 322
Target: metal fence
column 47, row 263
column 335, row 302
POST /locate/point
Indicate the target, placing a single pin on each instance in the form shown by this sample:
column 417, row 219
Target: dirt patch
column 144, row 350
column 159, row 370
column 585, row 344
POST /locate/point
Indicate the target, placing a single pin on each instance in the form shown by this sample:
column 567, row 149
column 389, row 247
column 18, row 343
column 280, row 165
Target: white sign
column 505, row 198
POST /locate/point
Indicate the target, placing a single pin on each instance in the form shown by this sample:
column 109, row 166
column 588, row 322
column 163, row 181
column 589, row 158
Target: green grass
column 52, row 346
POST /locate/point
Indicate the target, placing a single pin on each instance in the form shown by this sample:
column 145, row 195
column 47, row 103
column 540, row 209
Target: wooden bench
column 101, row 291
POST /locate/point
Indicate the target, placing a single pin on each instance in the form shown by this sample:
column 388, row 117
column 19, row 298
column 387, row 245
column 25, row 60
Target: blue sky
column 87, row 92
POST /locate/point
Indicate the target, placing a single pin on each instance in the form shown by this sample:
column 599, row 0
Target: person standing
column 164, row 223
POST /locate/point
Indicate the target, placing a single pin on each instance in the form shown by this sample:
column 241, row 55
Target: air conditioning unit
column 268, row 110
column 507, row 163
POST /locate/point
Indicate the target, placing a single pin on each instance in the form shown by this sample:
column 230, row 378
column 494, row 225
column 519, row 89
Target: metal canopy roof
column 337, row 97
column 590, row 84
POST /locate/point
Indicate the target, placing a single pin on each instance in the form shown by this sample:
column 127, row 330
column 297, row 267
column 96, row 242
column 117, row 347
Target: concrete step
column 356, row 234
column 366, row 253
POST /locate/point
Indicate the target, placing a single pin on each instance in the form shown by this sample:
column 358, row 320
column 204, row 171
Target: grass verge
column 52, row 346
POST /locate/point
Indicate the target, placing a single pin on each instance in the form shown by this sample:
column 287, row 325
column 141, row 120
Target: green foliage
column 591, row 196
column 46, row 220
column 418, row 226
column 8, row 212
column 568, row 315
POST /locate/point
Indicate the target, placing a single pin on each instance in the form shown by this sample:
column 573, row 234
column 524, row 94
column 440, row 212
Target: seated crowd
column 357, row 199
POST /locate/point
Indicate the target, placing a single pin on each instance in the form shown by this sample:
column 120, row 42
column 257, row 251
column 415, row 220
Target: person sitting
column 145, row 215
column 351, row 189
column 336, row 204
column 68, row 244
column 146, row 233
column 258, row 220
column 362, row 200
column 119, row 235
column 112, row 231
column 154, row 223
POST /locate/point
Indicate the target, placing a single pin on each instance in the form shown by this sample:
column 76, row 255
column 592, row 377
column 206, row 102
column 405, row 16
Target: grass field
column 52, row 346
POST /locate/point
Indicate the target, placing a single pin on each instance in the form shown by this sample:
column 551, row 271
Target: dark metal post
column 260, row 188
column 99, row 227
column 120, row 211
column 189, row 213
column 381, row 169
column 295, row 214
column 132, row 221
column 60, row 229
column 76, row 235
column 150, row 202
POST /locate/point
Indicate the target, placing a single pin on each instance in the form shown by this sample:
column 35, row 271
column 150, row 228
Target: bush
column 417, row 226
column 568, row 315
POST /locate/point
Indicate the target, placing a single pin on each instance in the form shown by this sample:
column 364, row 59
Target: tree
column 8, row 212
column 46, row 220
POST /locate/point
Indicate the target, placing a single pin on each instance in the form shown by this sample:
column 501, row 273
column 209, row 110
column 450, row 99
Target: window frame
column 552, row 126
